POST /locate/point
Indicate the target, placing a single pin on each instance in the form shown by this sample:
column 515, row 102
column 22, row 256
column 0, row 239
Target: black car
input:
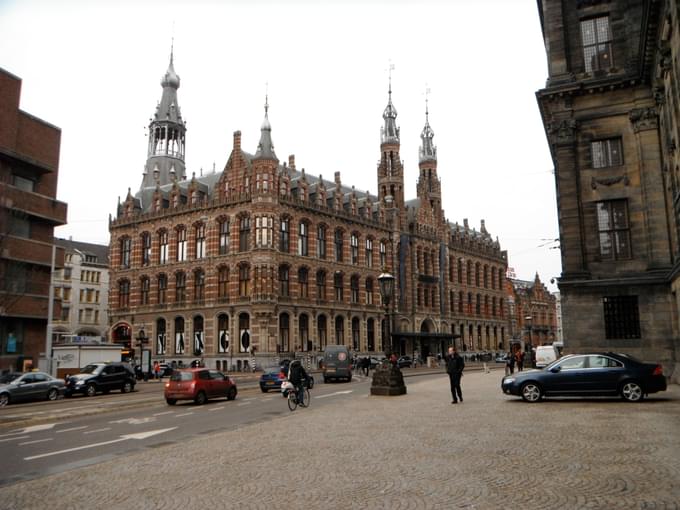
column 599, row 374
column 102, row 378
column 405, row 362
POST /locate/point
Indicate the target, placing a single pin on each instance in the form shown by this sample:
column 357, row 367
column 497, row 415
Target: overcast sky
column 94, row 68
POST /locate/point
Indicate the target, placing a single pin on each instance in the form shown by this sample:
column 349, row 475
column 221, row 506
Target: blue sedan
column 271, row 379
column 602, row 374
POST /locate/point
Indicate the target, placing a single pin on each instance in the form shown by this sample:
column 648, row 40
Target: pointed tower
column 390, row 168
column 265, row 161
column 429, row 185
column 167, row 130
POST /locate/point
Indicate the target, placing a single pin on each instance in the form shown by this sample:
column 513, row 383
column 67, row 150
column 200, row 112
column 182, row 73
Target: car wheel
column 4, row 399
column 171, row 401
column 231, row 393
column 52, row 394
column 531, row 392
column 127, row 387
column 201, row 398
column 631, row 392
column 91, row 390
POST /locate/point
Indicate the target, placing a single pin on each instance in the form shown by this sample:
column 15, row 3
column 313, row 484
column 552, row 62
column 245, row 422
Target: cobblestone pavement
column 408, row 452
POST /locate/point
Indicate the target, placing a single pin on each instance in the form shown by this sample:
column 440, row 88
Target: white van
column 546, row 354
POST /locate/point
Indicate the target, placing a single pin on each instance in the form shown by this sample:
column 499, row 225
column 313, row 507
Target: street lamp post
column 387, row 377
column 528, row 319
column 141, row 340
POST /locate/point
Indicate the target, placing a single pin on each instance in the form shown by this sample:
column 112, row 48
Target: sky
column 93, row 69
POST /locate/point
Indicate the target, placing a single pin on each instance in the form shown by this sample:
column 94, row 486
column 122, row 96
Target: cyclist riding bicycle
column 297, row 375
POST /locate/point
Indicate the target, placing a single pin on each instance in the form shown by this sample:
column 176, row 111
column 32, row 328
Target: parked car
column 375, row 361
column 9, row 377
column 199, row 385
column 405, row 362
column 102, row 377
column 502, row 358
column 31, row 386
column 600, row 374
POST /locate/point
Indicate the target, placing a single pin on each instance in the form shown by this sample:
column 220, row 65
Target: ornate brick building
column 262, row 256
column 29, row 211
column 610, row 109
column 532, row 311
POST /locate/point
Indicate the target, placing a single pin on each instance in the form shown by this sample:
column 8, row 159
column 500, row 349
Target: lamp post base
column 388, row 380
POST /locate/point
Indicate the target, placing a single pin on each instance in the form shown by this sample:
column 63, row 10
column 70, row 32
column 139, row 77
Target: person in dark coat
column 454, row 367
column 366, row 364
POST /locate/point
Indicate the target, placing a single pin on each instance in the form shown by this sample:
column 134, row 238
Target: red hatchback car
column 198, row 384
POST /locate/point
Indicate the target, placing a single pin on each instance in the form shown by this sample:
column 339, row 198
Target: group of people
column 515, row 359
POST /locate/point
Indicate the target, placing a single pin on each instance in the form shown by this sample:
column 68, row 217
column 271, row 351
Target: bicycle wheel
column 306, row 399
column 292, row 401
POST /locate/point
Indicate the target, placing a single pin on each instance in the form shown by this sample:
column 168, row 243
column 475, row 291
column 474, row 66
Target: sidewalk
column 412, row 451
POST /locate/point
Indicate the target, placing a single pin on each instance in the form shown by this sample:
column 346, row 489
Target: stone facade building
column 82, row 286
column 265, row 260
column 532, row 312
column 610, row 110
column 29, row 211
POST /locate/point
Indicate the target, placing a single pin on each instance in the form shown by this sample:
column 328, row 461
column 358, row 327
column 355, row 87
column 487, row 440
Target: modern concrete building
column 82, row 286
column 29, row 211
column 263, row 257
column 610, row 109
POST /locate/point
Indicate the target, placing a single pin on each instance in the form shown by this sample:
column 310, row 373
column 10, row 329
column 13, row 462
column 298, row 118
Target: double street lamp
column 387, row 377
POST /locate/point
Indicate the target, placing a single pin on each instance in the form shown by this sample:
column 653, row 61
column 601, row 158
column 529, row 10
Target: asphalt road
column 66, row 441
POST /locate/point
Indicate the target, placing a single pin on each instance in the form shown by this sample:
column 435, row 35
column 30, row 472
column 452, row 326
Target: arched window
column 179, row 336
column 493, row 277
column 321, row 241
column 145, row 287
column 223, row 283
column 369, row 291
column 338, row 245
column 200, row 241
column 356, row 340
column 354, row 289
column 161, row 341
column 369, row 252
column 477, row 275
column 163, row 247
column 146, row 249
column 162, row 289
column 244, row 233
column 338, row 286
column 199, row 343
column 303, row 239
column 224, row 236
column 180, row 287
column 383, row 255
column 339, row 330
column 354, row 248
column 370, row 335
column 199, row 285
column 321, row 285
column 322, row 331
column 125, row 252
column 460, row 270
column 244, row 332
column 303, row 284
column 223, row 333
column 124, row 293
column 284, row 332
column 284, row 235
column 468, row 272
column 181, row 233
column 244, row 280
column 284, row 289
column 303, row 332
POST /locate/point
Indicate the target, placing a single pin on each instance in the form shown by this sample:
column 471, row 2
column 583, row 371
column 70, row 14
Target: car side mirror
column 554, row 370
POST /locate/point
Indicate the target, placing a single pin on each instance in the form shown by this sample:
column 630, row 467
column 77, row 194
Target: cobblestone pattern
column 410, row 452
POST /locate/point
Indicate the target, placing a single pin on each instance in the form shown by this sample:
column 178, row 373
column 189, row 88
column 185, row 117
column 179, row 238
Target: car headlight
column 508, row 380
column 79, row 383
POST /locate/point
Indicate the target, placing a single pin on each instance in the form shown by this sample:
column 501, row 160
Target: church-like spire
column 265, row 149
column 390, row 132
column 428, row 152
column 165, row 156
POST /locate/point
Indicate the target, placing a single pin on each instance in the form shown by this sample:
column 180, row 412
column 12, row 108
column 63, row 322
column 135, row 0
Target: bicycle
column 294, row 401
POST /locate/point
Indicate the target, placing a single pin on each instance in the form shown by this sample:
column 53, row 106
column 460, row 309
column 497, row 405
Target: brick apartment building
column 29, row 211
column 532, row 311
column 265, row 259
column 610, row 109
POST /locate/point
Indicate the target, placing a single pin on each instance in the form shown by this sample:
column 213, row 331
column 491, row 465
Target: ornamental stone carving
column 644, row 119
column 609, row 181
column 563, row 131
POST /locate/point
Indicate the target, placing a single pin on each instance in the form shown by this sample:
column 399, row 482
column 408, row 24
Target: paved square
column 414, row 451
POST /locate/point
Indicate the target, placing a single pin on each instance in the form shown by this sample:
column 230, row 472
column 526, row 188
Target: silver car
column 31, row 386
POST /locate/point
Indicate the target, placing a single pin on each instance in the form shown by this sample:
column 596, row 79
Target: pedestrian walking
column 156, row 370
column 519, row 359
column 454, row 367
column 510, row 363
column 366, row 364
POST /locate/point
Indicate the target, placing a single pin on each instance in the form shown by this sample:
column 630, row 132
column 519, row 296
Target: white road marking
column 140, row 435
column 165, row 412
column 13, row 438
column 335, row 393
column 135, row 421
column 71, row 429
column 215, row 408
column 183, row 414
column 97, row 430
column 35, row 441
column 17, row 433
column 38, row 428
column 244, row 403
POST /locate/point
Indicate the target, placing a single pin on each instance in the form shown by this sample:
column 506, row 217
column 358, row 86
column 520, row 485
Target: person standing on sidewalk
column 454, row 367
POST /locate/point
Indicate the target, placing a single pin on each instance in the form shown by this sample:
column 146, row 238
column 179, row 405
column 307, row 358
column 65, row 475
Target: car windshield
column 182, row 376
column 91, row 369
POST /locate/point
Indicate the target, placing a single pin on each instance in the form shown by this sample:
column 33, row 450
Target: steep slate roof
column 98, row 250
